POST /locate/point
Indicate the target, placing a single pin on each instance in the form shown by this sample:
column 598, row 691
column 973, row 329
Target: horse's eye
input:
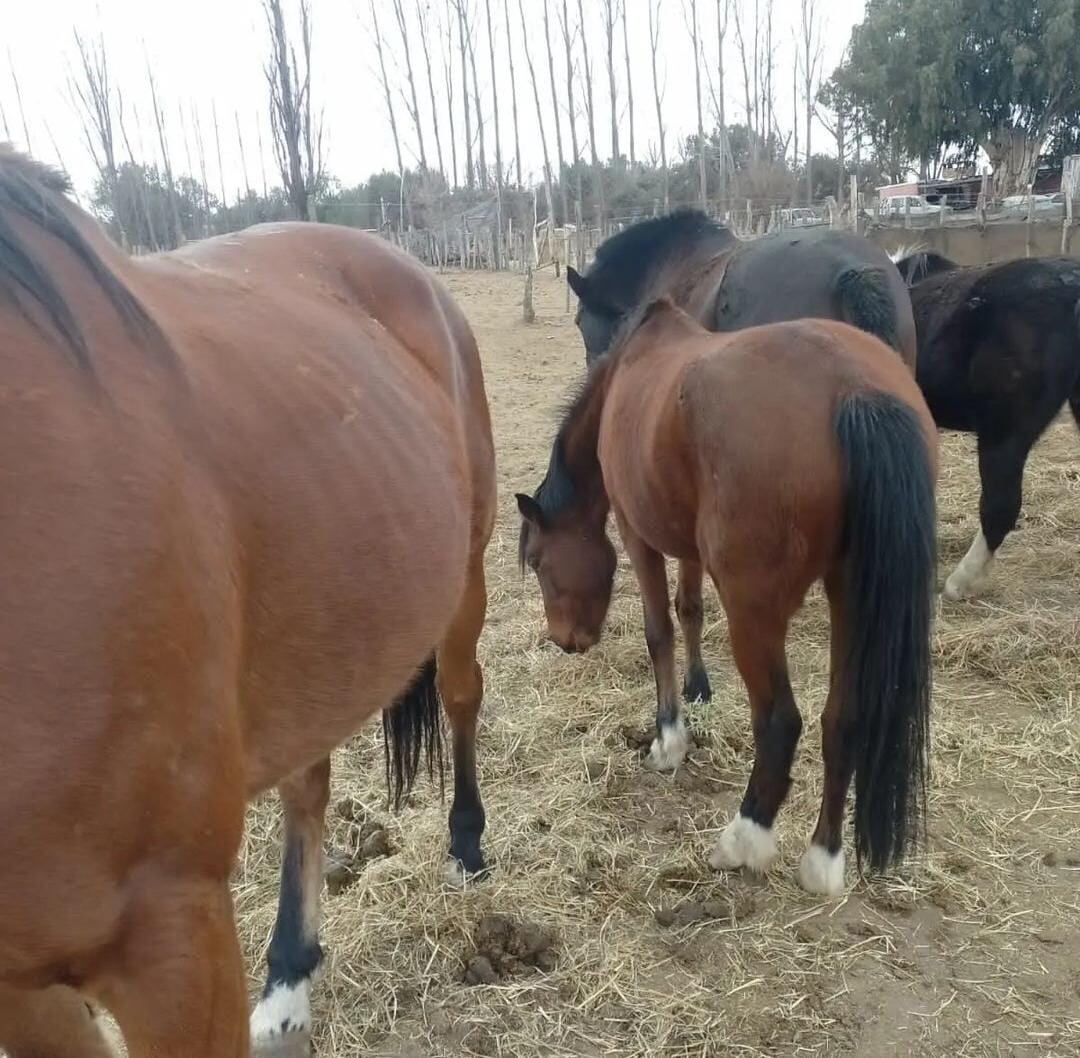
column 533, row 563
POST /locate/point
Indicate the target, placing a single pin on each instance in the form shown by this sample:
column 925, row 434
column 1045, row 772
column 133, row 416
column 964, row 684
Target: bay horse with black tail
column 999, row 355
column 726, row 283
column 247, row 489
column 774, row 457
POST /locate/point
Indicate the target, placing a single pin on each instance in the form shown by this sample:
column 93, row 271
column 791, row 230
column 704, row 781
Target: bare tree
column 586, row 70
column 140, row 184
column 166, row 161
column 610, row 12
column 19, row 100
column 690, row 10
column 658, row 95
column 575, row 154
column 540, row 125
column 447, row 32
column 412, row 104
column 297, row 136
column 262, row 158
column 376, row 34
column 481, row 161
column 810, row 67
column 750, row 103
column 459, row 8
column 243, row 155
column 421, row 17
column 217, row 144
column 513, row 90
column 200, row 147
column 93, row 95
column 629, row 83
column 716, row 90
column 555, row 115
column 498, row 139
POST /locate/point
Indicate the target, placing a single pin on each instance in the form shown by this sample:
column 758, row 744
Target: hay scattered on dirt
column 972, row 950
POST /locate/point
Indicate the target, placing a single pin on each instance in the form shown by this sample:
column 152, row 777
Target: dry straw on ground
column 972, row 950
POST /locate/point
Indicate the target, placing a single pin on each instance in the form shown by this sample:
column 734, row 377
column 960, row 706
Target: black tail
column 412, row 727
column 867, row 302
column 889, row 537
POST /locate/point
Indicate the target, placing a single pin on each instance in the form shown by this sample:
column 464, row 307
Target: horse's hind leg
column 282, row 1019
column 691, row 612
column 176, row 986
column 461, row 687
column 822, row 867
column 757, row 642
column 51, row 1023
column 1001, row 472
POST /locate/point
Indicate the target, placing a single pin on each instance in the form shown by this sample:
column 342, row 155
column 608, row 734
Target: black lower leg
column 294, row 953
column 777, row 728
column 467, row 818
column 691, row 614
column 1001, row 472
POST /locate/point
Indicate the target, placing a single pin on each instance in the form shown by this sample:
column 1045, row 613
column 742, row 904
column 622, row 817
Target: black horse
column 999, row 354
column 728, row 284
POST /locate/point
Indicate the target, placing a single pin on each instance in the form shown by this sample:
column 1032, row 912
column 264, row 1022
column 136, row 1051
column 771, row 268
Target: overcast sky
column 206, row 52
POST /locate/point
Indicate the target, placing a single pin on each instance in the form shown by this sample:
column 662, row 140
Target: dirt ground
column 602, row 931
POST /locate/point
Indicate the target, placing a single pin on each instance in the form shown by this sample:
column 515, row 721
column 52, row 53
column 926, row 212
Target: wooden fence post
column 1066, row 224
column 1030, row 219
column 854, row 199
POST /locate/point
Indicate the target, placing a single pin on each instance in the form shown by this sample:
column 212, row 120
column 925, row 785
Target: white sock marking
column 966, row 580
column 287, row 1008
column 821, row 872
column 668, row 750
column 453, row 873
column 745, row 843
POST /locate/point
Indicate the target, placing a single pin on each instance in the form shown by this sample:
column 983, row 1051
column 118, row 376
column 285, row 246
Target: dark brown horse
column 774, row 457
column 999, row 355
column 727, row 284
column 246, row 493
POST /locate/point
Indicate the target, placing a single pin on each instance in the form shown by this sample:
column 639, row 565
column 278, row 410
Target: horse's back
column 817, row 274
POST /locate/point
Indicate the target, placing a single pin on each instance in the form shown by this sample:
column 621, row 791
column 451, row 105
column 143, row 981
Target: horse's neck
column 581, row 437
column 691, row 281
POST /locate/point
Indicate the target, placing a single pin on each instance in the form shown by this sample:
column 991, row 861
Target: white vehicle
column 801, row 217
column 1039, row 203
column 899, row 206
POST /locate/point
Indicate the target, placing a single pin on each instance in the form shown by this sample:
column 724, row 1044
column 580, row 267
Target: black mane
column 915, row 267
column 35, row 192
column 626, row 260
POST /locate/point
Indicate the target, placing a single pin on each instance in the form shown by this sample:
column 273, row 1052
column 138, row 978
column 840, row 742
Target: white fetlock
column 285, row 1010
column 454, row 873
column 669, row 748
column 970, row 576
column 745, row 843
column 822, row 872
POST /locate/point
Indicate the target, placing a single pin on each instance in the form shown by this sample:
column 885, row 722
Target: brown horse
column 773, row 457
column 247, row 489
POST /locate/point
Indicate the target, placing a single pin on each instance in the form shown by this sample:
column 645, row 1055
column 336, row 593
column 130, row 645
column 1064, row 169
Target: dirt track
column 973, row 950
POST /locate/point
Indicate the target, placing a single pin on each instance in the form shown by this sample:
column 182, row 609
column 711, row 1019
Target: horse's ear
column 578, row 283
column 529, row 509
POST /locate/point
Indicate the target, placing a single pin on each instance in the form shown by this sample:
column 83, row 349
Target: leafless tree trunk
column 610, row 12
column 695, row 39
column 166, row 161
column 751, row 106
column 243, row 155
column 540, row 125
column 555, row 113
column 447, row 32
column 590, row 114
column 201, row 148
column 412, row 104
column 376, row 33
column 297, row 137
column 470, row 172
column 19, row 100
column 94, row 98
column 497, row 244
column 262, row 159
column 481, row 161
column 795, row 106
column 723, row 8
column 575, row 154
column 513, row 90
column 629, row 83
column 151, row 229
column 811, row 48
column 769, row 107
column 658, row 95
column 421, row 17
column 217, row 144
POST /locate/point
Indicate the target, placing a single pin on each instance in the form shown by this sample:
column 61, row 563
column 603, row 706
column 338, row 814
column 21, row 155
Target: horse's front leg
column 672, row 739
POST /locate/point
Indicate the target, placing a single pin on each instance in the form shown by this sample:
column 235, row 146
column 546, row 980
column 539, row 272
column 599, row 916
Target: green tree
column 929, row 76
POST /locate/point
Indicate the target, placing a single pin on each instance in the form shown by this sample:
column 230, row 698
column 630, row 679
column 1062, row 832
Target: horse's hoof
column 458, row 876
column 821, row 872
column 284, row 1045
column 744, row 843
column 668, row 749
column 957, row 589
column 281, row 1023
column 696, row 687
